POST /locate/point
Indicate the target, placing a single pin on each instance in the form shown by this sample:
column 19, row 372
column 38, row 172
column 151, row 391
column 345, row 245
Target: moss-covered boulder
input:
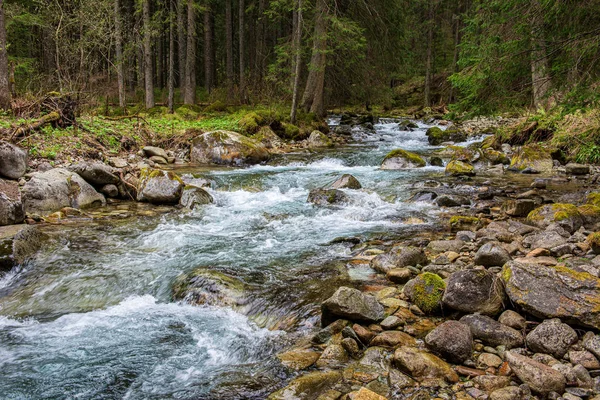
column 251, row 123
column 268, row 138
column 210, row 287
column 426, row 292
column 309, row 386
column 495, row 157
column 465, row 223
column 565, row 215
column 590, row 215
column 230, row 148
column 437, row 136
column 400, row 159
column 159, row 187
column 554, row 292
column 459, row 168
column 193, row 196
column 318, row 139
column 594, row 241
column 531, row 158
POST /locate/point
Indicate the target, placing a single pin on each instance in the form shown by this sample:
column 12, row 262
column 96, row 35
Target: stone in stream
column 393, row 339
column 351, row 304
column 474, row 291
column 47, row 192
column 325, row 197
column 95, row 173
column 298, row 359
column 519, row 207
column 193, row 196
column 423, row 366
column 11, row 205
column 426, row 291
column 531, row 157
column 540, row 378
column 402, row 159
column 491, row 255
column 110, row 191
column 210, row 287
column 318, row 139
column 224, row 147
column 399, row 257
column 437, row 136
column 459, row 168
column 492, row 332
column 346, row 181
column 567, row 216
column 554, row 292
column 159, row 187
column 452, row 340
column 551, row 337
column 26, row 243
column 577, row 169
column 13, row 161
column 452, row 201
column 308, row 386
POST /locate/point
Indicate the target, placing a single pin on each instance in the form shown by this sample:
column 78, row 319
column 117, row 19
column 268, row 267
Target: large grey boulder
column 224, row 147
column 552, row 337
column 492, row 332
column 474, row 291
column 540, row 378
column 554, row 292
column 11, row 206
column 318, row 139
column 351, row 304
column 159, row 187
column 452, row 340
column 492, row 255
column 95, row 173
column 545, row 240
column 13, row 160
column 398, row 257
column 346, row 181
column 565, row 215
column 152, row 151
column 47, row 192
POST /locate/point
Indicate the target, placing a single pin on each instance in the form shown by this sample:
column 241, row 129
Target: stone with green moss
column 225, row 147
column 495, row 157
column 565, row 215
column 590, row 214
column 426, row 292
column 593, row 199
column 465, row 223
column 194, row 196
column 533, row 158
column 251, row 122
column 268, row 138
column 401, row 159
column 309, row 386
column 459, row 168
column 187, row 112
column 554, row 292
column 318, row 139
column 324, row 197
column 159, row 187
column 437, row 136
column 205, row 286
column 217, row 106
column 594, row 242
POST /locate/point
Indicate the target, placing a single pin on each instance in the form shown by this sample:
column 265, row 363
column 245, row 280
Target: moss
column 531, row 156
column 187, row 113
column 577, row 275
column 461, row 222
column 290, row 131
column 594, row 239
column 217, row 106
column 251, row 122
column 407, row 155
column 594, row 199
column 506, row 273
column 589, row 210
column 459, row 168
column 428, row 292
column 557, row 212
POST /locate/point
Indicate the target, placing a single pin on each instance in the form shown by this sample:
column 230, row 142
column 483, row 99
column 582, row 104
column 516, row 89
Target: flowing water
column 92, row 317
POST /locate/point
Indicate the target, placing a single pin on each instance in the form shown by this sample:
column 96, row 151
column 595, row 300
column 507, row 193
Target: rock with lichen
column 224, row 147
column 426, row 292
column 565, row 215
column 401, row 159
column 533, row 158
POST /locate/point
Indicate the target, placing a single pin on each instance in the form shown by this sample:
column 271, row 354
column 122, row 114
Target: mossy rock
column 308, row 386
column 533, row 158
column 459, row 168
column 251, row 123
column 230, row 148
column 426, row 292
column 407, row 125
column 324, row 197
column 289, row 131
column 318, row 139
column 437, row 136
column 565, row 215
column 495, row 157
column 267, row 138
column 217, row 106
column 401, row 159
column 594, row 242
column 593, row 199
column 159, row 187
column 204, row 286
column 590, row 214
column 188, row 113
column 465, row 223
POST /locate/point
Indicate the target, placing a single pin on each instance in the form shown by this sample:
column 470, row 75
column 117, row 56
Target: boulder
column 95, row 173
column 159, row 187
column 551, row 337
column 393, row 339
column 519, row 207
column 398, row 257
column 437, row 136
column 459, row 168
column 308, row 386
column 577, row 169
column 492, row 332
column 540, row 378
column 205, row 286
column 346, row 181
column 567, row 216
column 351, row 304
column 423, row 366
column 452, row 340
column 513, row 319
column 13, row 161
column 426, row 291
column 11, row 205
column 443, row 246
column 110, row 191
column 318, row 139
column 224, row 147
column 491, row 255
column 452, row 201
column 47, row 192
column 151, row 151
column 401, row 159
column 531, row 158
column 298, row 359
column 193, row 196
column 554, row 292
column 268, row 138
column 544, row 240
column 325, row 197
column 474, row 291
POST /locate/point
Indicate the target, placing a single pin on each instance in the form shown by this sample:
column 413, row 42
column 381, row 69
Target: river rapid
column 91, row 317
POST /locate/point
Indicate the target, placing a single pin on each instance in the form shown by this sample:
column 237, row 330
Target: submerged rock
column 351, row 304
column 13, row 161
column 11, row 205
column 554, row 292
column 325, row 197
column 474, row 291
column 346, row 181
column 224, row 147
column 401, row 159
column 210, row 287
column 47, row 192
column 159, row 187
column 540, row 378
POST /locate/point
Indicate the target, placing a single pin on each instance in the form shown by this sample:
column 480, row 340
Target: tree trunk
column 190, row 62
column 229, row 48
column 261, row 46
column 429, row 60
column 208, row 49
column 5, row 100
column 242, row 13
column 171, row 78
column 148, row 75
column 181, row 43
column 312, row 100
column 457, row 39
column 540, row 78
column 297, row 69
column 119, row 53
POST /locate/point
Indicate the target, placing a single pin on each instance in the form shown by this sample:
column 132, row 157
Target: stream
column 91, row 317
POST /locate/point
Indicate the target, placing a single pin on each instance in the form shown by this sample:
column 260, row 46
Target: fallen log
column 26, row 128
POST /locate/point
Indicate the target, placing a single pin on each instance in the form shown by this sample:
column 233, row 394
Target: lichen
column 594, row 199
column 461, row 222
column 589, row 210
column 459, row 168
